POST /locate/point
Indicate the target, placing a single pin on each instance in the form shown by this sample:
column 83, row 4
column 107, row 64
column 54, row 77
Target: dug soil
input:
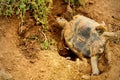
column 21, row 57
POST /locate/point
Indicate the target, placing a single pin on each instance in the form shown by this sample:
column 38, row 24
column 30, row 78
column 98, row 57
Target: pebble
column 5, row 75
column 86, row 77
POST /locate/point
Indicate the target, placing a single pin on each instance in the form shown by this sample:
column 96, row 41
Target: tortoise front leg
column 94, row 65
column 111, row 34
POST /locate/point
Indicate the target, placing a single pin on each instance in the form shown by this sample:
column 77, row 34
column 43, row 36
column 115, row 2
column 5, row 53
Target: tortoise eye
column 62, row 19
column 59, row 18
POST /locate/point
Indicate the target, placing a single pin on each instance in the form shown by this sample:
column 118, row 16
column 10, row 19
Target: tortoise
column 86, row 38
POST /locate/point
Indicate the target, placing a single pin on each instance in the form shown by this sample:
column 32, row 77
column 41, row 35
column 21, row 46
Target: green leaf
column 18, row 12
column 82, row 2
column 22, row 6
column 45, row 45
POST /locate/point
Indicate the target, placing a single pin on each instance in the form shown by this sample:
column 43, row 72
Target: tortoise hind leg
column 94, row 65
column 94, row 59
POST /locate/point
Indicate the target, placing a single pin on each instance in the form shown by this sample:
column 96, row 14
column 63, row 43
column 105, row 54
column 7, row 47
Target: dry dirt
column 26, row 61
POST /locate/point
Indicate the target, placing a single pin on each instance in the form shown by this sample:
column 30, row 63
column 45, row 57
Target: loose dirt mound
column 26, row 61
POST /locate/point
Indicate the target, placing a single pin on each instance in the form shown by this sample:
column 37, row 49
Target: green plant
column 76, row 2
column 46, row 44
column 38, row 9
column 33, row 37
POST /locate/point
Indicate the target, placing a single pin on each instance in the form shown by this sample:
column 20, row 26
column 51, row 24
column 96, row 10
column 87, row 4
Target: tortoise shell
column 81, row 35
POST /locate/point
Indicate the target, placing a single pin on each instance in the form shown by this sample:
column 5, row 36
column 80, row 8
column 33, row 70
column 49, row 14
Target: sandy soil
column 22, row 60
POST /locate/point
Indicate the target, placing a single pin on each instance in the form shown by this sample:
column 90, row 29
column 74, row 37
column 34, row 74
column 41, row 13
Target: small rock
column 86, row 77
column 68, row 58
column 5, row 75
column 91, row 2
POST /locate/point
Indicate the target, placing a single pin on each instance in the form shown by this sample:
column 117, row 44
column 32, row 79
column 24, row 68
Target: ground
column 24, row 60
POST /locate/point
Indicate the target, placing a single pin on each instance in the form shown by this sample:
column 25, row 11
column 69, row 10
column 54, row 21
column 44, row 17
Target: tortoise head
column 61, row 21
